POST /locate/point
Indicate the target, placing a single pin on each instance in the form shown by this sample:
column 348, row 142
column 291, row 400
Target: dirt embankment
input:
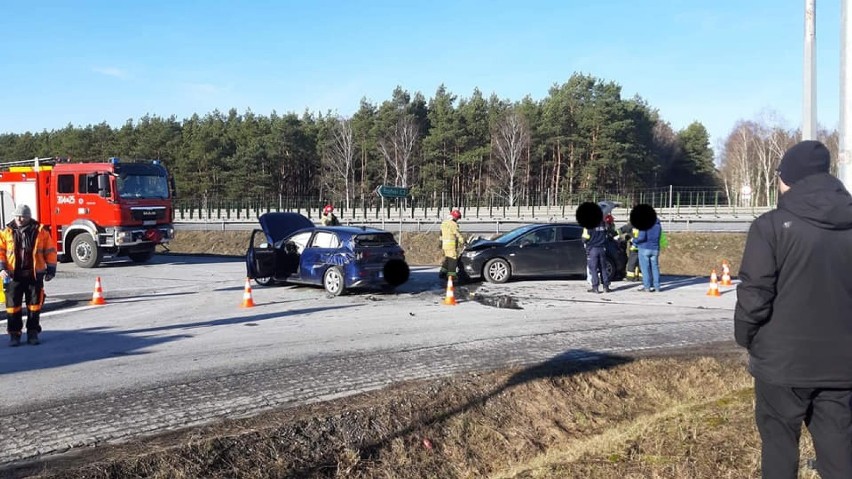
column 614, row 417
column 692, row 254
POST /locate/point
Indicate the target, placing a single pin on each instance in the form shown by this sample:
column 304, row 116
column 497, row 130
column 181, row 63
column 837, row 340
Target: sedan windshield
column 508, row 236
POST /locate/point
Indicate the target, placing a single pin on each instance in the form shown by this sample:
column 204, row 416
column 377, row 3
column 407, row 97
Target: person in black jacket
column 794, row 315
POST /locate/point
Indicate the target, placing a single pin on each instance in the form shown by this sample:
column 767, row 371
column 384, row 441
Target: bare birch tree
column 771, row 139
column 775, row 143
column 511, row 137
column 340, row 157
column 738, row 169
column 831, row 139
column 765, row 162
column 397, row 148
column 751, row 154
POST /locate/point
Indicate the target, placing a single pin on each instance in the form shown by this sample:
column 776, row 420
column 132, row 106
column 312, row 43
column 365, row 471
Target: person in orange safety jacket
column 27, row 260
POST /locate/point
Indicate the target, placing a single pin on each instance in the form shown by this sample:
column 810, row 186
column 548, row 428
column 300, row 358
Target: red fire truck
column 94, row 210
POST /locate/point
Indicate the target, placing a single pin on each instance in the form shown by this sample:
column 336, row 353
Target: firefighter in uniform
column 451, row 242
column 628, row 232
column 328, row 218
column 27, row 260
column 609, row 221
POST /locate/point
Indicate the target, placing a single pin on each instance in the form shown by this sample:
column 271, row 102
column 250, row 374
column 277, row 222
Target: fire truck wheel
column 85, row 252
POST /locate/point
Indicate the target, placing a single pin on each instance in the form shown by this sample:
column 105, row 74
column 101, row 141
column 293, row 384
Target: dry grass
column 211, row 242
column 691, row 254
column 696, row 254
column 655, row 417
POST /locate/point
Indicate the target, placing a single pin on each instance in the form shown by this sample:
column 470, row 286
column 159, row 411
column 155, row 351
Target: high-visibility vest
column 451, row 237
column 633, row 247
column 330, row 220
column 44, row 251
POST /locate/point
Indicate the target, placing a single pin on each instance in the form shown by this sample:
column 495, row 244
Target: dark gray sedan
column 537, row 250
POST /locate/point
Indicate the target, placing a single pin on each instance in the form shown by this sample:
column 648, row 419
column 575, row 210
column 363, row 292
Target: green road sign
column 392, row 191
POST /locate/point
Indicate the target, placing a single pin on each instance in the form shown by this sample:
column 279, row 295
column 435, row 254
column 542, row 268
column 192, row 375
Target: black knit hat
column 804, row 159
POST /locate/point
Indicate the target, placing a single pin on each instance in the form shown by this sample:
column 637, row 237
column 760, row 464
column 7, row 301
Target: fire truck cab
column 93, row 210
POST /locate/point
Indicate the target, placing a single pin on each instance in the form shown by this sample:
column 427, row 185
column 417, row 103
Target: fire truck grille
column 148, row 214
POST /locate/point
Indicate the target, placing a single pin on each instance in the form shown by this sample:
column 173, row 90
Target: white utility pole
column 845, row 156
column 809, row 122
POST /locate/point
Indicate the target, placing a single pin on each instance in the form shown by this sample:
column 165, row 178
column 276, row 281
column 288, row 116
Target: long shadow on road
column 174, row 259
column 66, row 347
column 241, row 319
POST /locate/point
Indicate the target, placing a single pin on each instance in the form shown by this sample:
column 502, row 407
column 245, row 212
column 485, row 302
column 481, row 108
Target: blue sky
column 715, row 61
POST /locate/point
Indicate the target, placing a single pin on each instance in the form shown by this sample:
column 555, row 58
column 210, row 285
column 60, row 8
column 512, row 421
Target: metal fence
column 393, row 213
column 673, row 200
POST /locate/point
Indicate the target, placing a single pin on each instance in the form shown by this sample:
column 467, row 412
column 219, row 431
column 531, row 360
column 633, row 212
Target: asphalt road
column 173, row 348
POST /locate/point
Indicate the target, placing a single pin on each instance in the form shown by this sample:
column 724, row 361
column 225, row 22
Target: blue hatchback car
column 335, row 257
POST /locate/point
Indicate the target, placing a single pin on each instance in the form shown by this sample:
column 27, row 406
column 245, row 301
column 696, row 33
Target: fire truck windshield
column 142, row 186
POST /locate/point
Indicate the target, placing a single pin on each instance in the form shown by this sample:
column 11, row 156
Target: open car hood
column 607, row 206
column 480, row 244
column 278, row 226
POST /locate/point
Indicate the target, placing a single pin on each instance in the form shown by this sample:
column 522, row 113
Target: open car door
column 260, row 257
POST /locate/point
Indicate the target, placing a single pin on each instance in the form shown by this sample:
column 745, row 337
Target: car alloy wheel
column 333, row 281
column 497, row 271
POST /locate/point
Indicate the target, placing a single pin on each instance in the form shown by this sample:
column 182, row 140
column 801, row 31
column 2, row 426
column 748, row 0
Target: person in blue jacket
column 648, row 243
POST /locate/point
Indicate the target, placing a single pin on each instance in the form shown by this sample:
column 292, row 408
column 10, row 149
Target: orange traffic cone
column 248, row 302
column 98, row 295
column 714, row 285
column 726, row 274
column 450, row 299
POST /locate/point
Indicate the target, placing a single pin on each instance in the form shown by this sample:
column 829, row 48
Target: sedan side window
column 300, row 240
column 546, row 235
column 570, row 233
column 539, row 236
column 324, row 239
column 526, row 239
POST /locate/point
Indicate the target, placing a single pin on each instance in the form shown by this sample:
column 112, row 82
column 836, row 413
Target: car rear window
column 375, row 239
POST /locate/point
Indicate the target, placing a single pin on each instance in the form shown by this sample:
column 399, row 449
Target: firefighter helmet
column 456, row 214
column 328, row 209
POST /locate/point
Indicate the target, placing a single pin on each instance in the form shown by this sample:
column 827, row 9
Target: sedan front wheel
column 497, row 270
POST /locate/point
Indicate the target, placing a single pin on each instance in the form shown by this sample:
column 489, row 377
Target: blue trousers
column 649, row 265
column 597, row 264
